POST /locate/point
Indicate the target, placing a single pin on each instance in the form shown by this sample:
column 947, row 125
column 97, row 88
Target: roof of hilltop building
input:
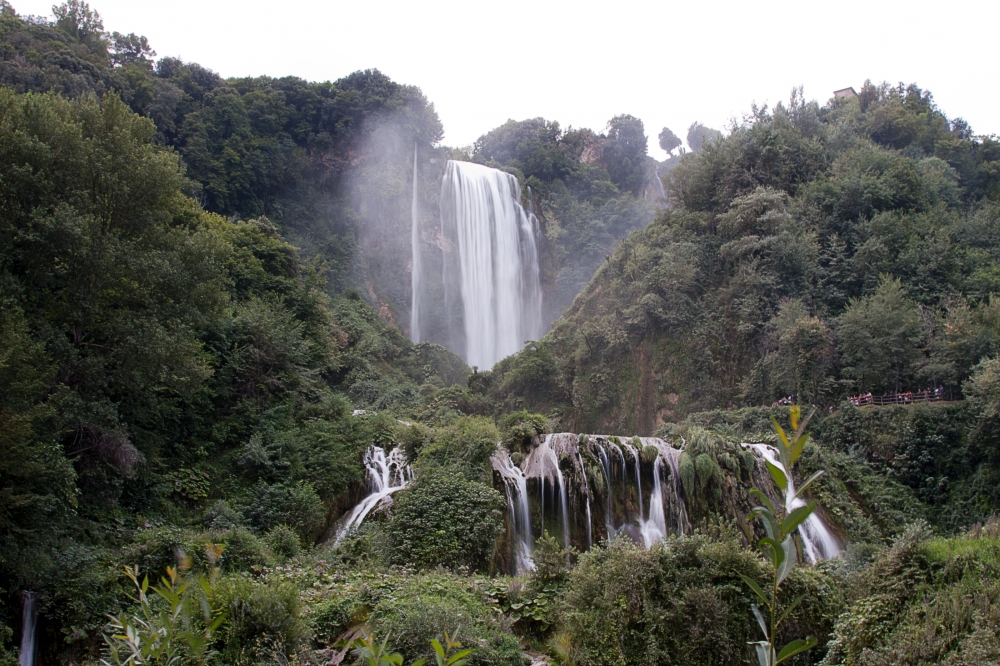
column 844, row 93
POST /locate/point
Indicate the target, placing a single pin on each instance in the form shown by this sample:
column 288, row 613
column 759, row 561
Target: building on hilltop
column 845, row 93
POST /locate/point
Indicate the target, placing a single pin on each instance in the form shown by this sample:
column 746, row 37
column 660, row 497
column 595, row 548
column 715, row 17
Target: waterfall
column 386, row 475
column 416, row 269
column 541, row 467
column 497, row 266
column 543, row 464
column 29, row 616
column 638, row 479
column 817, row 541
column 654, row 528
column 518, row 513
column 609, row 523
column 586, row 499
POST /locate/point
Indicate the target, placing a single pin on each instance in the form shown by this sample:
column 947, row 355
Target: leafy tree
column 668, row 140
column 698, row 136
column 802, row 360
column 880, row 337
column 624, row 153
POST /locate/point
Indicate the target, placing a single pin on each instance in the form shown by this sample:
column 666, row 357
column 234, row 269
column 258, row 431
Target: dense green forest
column 203, row 297
column 814, row 252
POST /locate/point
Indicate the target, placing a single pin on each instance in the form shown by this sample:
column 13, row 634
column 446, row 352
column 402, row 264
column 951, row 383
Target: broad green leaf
column 765, row 653
column 809, row 481
column 756, row 588
column 777, row 553
column 459, row 658
column 763, row 499
column 794, row 647
column 793, row 416
column 770, row 522
column 777, row 474
column 796, row 449
column 795, row 518
column 419, row 662
column 788, row 557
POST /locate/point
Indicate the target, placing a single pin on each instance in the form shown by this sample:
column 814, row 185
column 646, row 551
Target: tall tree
column 880, row 337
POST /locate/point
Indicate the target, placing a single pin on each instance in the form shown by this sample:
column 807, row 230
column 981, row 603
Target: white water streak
column 517, row 509
column 387, row 474
column 29, row 613
column 817, row 541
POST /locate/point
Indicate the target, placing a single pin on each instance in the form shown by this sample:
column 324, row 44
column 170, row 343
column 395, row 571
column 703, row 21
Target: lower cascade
column 386, row 474
column 817, row 541
column 583, row 489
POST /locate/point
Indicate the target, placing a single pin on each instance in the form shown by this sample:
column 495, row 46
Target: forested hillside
column 815, row 251
column 330, row 164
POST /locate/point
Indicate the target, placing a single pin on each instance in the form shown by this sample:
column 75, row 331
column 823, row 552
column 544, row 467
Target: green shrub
column 297, row 506
column 680, row 604
column 464, row 447
column 8, row 656
column 283, row 541
column 243, row 551
column 445, row 520
column 520, row 428
column 924, row 601
column 428, row 606
column 221, row 516
column 260, row 610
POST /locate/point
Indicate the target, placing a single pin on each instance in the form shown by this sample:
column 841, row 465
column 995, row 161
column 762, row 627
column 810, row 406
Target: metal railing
column 907, row 398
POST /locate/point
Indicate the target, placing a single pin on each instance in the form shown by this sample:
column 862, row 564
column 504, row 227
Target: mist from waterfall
column 417, row 269
column 492, row 299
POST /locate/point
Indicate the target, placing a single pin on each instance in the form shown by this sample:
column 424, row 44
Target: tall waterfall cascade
column 492, row 299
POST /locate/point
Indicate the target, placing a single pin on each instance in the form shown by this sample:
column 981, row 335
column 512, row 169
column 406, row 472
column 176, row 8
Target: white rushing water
column 518, row 513
column 29, row 613
column 417, row 264
column 387, row 474
column 498, row 279
column 646, row 522
column 817, row 541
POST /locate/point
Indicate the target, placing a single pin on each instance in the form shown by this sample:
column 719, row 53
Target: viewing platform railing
column 907, row 398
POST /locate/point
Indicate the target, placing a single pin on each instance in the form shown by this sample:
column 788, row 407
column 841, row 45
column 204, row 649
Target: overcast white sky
column 580, row 63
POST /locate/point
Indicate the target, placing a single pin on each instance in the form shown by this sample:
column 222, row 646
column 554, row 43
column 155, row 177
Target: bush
column 269, row 611
column 283, row 541
column 297, row 506
column 692, row 591
column 465, row 448
column 520, row 428
column 244, row 551
column 428, row 606
column 221, row 516
column 445, row 520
